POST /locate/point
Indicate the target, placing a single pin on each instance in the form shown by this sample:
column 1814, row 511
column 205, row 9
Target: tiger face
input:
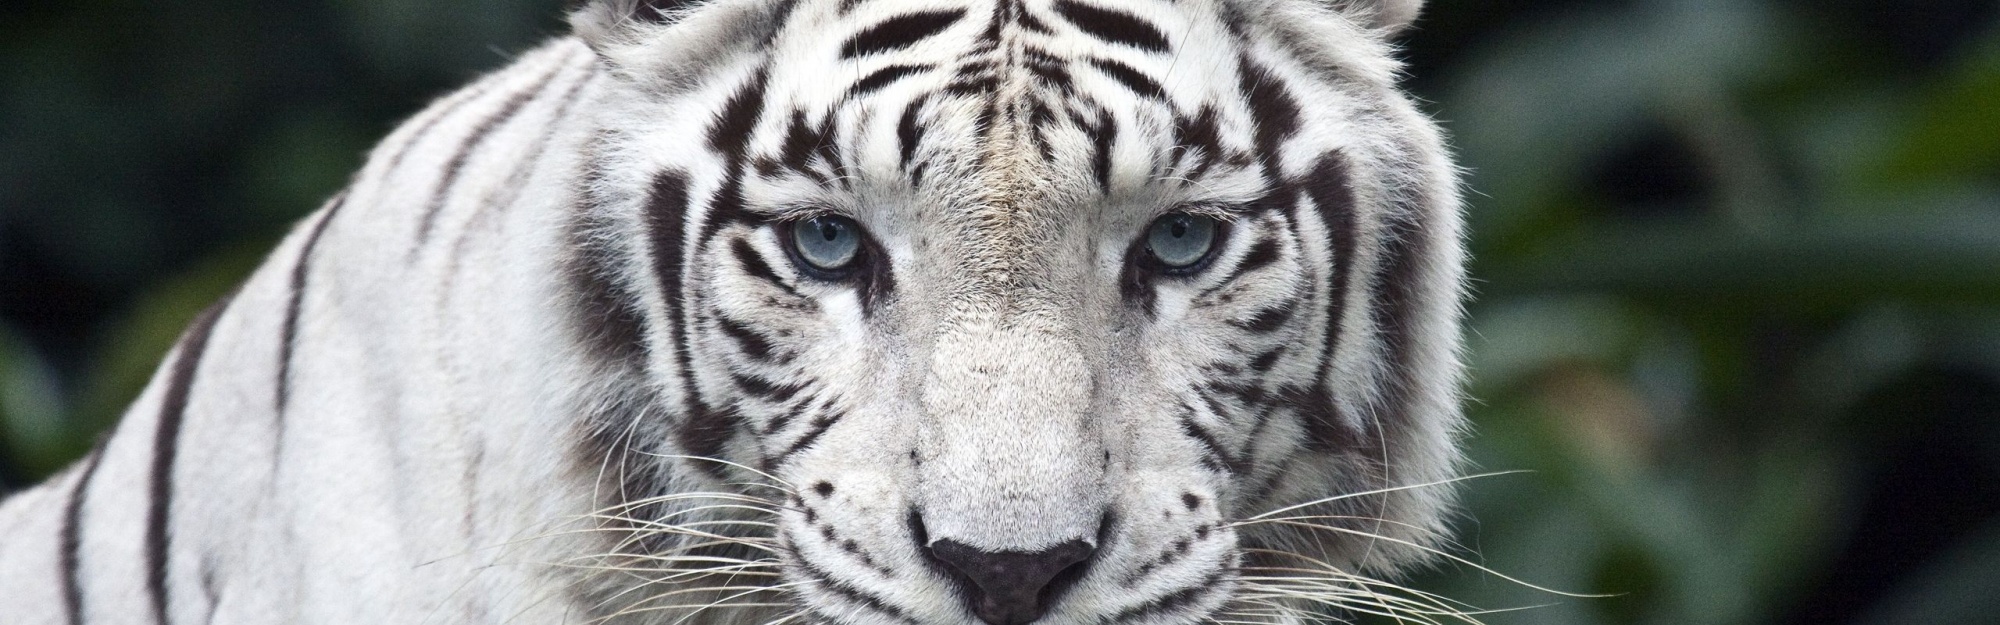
column 1023, row 311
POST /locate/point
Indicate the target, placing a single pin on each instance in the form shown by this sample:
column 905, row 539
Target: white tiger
column 822, row 311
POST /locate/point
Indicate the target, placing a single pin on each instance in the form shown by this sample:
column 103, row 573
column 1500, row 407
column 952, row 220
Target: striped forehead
column 1150, row 47
column 957, row 72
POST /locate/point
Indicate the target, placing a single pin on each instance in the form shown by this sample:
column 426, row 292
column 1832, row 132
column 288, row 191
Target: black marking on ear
column 72, row 534
column 1113, row 26
column 455, row 169
column 884, row 77
column 295, row 304
column 166, row 448
column 1273, row 110
column 1131, row 77
column 899, row 32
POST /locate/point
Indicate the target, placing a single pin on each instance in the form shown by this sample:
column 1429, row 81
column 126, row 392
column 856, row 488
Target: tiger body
column 551, row 357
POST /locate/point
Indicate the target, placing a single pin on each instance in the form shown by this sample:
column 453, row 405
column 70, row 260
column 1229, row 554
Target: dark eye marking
column 899, row 32
column 1113, row 26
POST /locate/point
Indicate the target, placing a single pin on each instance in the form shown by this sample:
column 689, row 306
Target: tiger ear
column 665, row 43
column 600, row 20
column 1390, row 17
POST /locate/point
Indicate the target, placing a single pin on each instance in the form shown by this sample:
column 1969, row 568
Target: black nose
column 1013, row 586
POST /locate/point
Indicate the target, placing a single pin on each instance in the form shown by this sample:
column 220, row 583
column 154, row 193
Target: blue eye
column 827, row 242
column 1181, row 240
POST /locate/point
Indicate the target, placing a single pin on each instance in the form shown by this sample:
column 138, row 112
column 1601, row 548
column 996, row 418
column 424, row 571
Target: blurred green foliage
column 1738, row 267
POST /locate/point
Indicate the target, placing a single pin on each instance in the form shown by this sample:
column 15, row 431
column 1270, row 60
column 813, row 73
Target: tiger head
column 1018, row 311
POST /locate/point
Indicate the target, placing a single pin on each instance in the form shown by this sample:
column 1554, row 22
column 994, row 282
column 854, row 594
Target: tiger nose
column 1012, row 586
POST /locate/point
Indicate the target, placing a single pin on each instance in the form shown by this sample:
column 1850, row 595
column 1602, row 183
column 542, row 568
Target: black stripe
column 819, row 427
column 455, row 169
column 827, row 582
column 606, row 312
column 1401, row 295
column 754, row 265
column 880, row 78
column 1332, row 197
column 1268, row 320
column 909, row 133
column 748, row 341
column 899, row 32
column 417, row 136
column 766, row 389
column 730, row 134
column 1262, row 254
column 665, row 217
column 288, row 341
column 1177, row 600
column 166, row 447
column 1103, row 139
column 1214, row 456
column 1113, row 26
column 1272, row 109
column 1131, row 77
column 72, row 534
column 1199, row 137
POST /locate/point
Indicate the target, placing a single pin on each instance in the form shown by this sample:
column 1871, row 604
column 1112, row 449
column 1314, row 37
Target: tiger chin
column 823, row 312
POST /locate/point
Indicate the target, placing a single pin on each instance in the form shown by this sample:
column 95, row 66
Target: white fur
column 457, row 447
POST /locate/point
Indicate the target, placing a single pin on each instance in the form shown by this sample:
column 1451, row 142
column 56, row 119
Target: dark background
column 1738, row 266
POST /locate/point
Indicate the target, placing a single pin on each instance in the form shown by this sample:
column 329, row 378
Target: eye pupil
column 826, row 242
column 1181, row 240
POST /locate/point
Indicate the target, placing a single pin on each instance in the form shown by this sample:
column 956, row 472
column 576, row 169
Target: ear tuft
column 595, row 19
column 1388, row 16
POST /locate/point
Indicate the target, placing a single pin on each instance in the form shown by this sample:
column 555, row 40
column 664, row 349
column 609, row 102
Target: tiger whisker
column 1437, row 552
column 1380, row 491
